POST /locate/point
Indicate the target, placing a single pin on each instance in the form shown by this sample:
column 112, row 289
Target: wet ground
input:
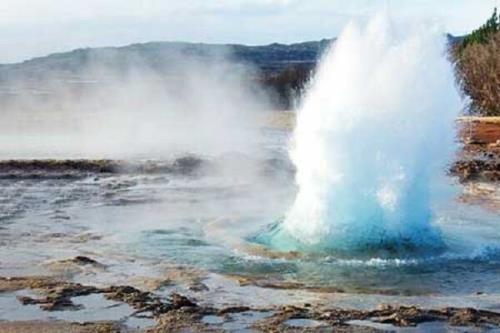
column 124, row 246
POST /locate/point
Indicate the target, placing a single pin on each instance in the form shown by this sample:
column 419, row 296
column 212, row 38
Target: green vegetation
column 484, row 33
column 477, row 60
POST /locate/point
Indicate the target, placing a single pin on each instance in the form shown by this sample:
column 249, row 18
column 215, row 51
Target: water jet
column 375, row 129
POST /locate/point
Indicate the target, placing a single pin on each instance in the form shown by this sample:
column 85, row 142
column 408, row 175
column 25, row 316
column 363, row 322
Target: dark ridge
column 157, row 54
column 454, row 40
column 74, row 169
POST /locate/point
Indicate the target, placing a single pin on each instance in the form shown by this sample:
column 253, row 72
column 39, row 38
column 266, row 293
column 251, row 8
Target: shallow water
column 92, row 308
column 139, row 223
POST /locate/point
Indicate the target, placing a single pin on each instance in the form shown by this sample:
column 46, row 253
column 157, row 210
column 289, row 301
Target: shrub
column 477, row 60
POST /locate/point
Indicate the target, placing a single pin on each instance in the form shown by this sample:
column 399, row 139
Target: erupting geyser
column 376, row 126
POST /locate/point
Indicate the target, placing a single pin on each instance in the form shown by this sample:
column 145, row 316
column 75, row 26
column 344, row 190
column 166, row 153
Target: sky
column 31, row 28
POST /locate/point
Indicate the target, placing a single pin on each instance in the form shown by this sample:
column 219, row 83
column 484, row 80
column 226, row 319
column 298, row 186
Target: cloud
column 33, row 28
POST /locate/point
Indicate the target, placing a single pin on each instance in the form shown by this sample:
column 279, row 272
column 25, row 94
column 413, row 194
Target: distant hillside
column 282, row 69
column 275, row 63
column 159, row 55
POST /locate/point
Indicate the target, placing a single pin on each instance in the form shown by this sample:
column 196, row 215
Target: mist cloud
column 208, row 107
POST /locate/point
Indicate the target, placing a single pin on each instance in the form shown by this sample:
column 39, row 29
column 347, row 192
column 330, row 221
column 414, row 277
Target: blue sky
column 30, row 28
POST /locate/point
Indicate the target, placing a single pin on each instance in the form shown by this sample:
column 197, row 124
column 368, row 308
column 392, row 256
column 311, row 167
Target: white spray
column 376, row 125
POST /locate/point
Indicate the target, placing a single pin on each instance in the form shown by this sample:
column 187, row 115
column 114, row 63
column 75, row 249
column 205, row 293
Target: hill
column 281, row 68
column 161, row 55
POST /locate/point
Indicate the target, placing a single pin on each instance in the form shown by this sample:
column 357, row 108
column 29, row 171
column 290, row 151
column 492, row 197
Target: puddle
column 237, row 322
column 94, row 308
column 212, row 320
column 241, row 322
column 431, row 327
column 139, row 322
column 12, row 310
column 304, row 323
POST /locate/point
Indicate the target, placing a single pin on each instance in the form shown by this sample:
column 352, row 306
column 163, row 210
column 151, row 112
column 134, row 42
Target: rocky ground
column 177, row 313
column 478, row 163
column 479, row 159
column 477, row 167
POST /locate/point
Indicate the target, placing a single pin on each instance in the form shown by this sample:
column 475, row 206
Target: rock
column 19, row 283
column 58, row 327
column 59, row 297
column 139, row 300
column 61, row 304
column 476, row 169
column 198, row 287
column 25, row 300
column 179, row 301
column 179, row 312
column 81, row 260
column 234, row 309
column 384, row 307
